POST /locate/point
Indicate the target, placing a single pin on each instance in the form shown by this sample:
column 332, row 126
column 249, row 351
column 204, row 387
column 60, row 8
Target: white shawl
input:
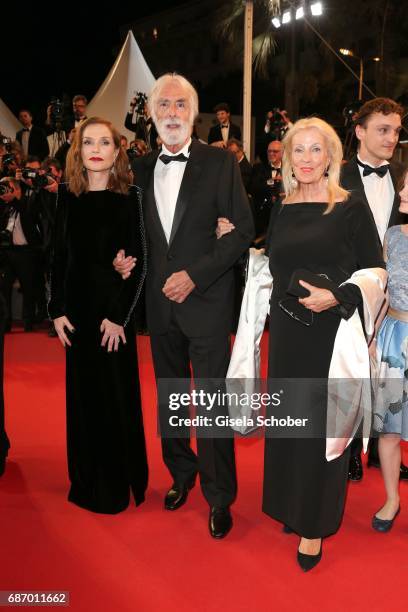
column 349, row 392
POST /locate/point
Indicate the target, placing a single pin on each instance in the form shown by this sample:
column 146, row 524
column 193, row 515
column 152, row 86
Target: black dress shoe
column 2, row 465
column 355, row 472
column 403, row 472
column 220, row 522
column 383, row 525
column 308, row 562
column 177, row 495
column 287, row 529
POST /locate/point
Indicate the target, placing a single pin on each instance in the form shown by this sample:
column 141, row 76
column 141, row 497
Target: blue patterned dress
column 391, row 405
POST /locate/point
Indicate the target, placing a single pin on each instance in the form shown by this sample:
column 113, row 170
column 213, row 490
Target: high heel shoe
column 384, row 525
column 308, row 562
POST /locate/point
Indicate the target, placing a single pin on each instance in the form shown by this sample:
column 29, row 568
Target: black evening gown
column 105, row 436
column 302, row 488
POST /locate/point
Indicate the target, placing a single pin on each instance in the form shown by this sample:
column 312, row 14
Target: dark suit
column 215, row 133
column 197, row 330
column 141, row 131
column 37, row 142
column 246, row 172
column 351, row 180
column 23, row 262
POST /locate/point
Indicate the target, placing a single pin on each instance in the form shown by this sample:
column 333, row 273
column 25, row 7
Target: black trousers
column 209, row 357
column 4, row 441
column 23, row 263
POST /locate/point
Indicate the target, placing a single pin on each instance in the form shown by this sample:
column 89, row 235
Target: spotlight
column 316, row 9
column 276, row 22
column 286, row 17
column 300, row 12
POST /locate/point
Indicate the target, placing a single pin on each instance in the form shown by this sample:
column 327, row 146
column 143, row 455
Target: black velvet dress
column 301, row 488
column 105, row 436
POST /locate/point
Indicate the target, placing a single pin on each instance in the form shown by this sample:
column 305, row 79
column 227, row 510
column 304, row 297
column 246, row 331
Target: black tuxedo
column 37, row 142
column 351, row 180
column 215, row 133
column 140, row 130
column 197, row 330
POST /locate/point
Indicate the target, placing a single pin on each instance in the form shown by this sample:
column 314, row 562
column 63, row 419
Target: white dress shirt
column 225, row 132
column 167, row 182
column 380, row 196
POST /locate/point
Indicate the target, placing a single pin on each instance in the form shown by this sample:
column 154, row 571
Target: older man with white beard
column 190, row 283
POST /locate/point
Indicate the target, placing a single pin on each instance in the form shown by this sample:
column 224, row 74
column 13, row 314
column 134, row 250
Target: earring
column 326, row 172
column 294, row 180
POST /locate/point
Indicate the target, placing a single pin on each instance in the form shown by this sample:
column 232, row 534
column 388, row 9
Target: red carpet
column 148, row 560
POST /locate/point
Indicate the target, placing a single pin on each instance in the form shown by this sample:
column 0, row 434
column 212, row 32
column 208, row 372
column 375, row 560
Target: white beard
column 173, row 136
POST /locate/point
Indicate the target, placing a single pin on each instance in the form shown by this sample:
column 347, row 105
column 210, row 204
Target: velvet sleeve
column 56, row 304
column 133, row 241
column 366, row 245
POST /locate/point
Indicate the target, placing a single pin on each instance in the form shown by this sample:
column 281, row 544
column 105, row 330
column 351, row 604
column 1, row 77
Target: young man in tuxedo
column 374, row 175
column 190, row 282
column 219, row 135
column 32, row 139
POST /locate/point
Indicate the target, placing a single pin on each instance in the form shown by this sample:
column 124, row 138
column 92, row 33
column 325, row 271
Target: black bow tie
column 166, row 159
column 380, row 171
column 26, row 129
column 276, row 169
column 225, row 125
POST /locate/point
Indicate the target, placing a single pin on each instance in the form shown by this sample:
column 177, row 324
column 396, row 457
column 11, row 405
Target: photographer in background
column 60, row 119
column 62, row 152
column 20, row 247
column 33, row 139
column 138, row 120
column 277, row 124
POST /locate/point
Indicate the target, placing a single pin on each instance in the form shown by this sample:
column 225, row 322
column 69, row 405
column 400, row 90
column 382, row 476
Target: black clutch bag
column 317, row 280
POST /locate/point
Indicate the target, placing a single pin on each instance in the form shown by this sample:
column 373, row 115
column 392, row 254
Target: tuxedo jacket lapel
column 187, row 188
column 355, row 183
column 150, row 200
column 395, row 217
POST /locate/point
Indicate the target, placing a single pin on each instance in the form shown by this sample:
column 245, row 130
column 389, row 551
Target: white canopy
column 9, row 124
column 128, row 75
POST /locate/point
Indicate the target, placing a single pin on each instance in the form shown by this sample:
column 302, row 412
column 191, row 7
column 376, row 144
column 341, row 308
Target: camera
column 57, row 114
column 5, row 141
column 139, row 102
column 5, row 187
column 38, row 180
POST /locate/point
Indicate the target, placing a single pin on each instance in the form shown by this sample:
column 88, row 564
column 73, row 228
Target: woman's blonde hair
column 335, row 151
column 75, row 172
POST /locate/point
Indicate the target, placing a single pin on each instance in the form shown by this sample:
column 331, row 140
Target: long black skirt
column 105, row 436
column 301, row 488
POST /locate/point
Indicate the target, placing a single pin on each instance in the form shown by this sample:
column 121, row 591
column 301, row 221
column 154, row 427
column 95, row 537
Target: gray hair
column 186, row 85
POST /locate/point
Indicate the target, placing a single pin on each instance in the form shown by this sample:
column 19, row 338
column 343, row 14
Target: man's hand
column 124, row 265
column 319, row 299
column 178, row 286
column 224, row 226
column 60, row 324
column 52, row 186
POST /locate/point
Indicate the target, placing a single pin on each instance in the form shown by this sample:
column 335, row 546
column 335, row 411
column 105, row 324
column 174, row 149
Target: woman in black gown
column 322, row 228
column 98, row 213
